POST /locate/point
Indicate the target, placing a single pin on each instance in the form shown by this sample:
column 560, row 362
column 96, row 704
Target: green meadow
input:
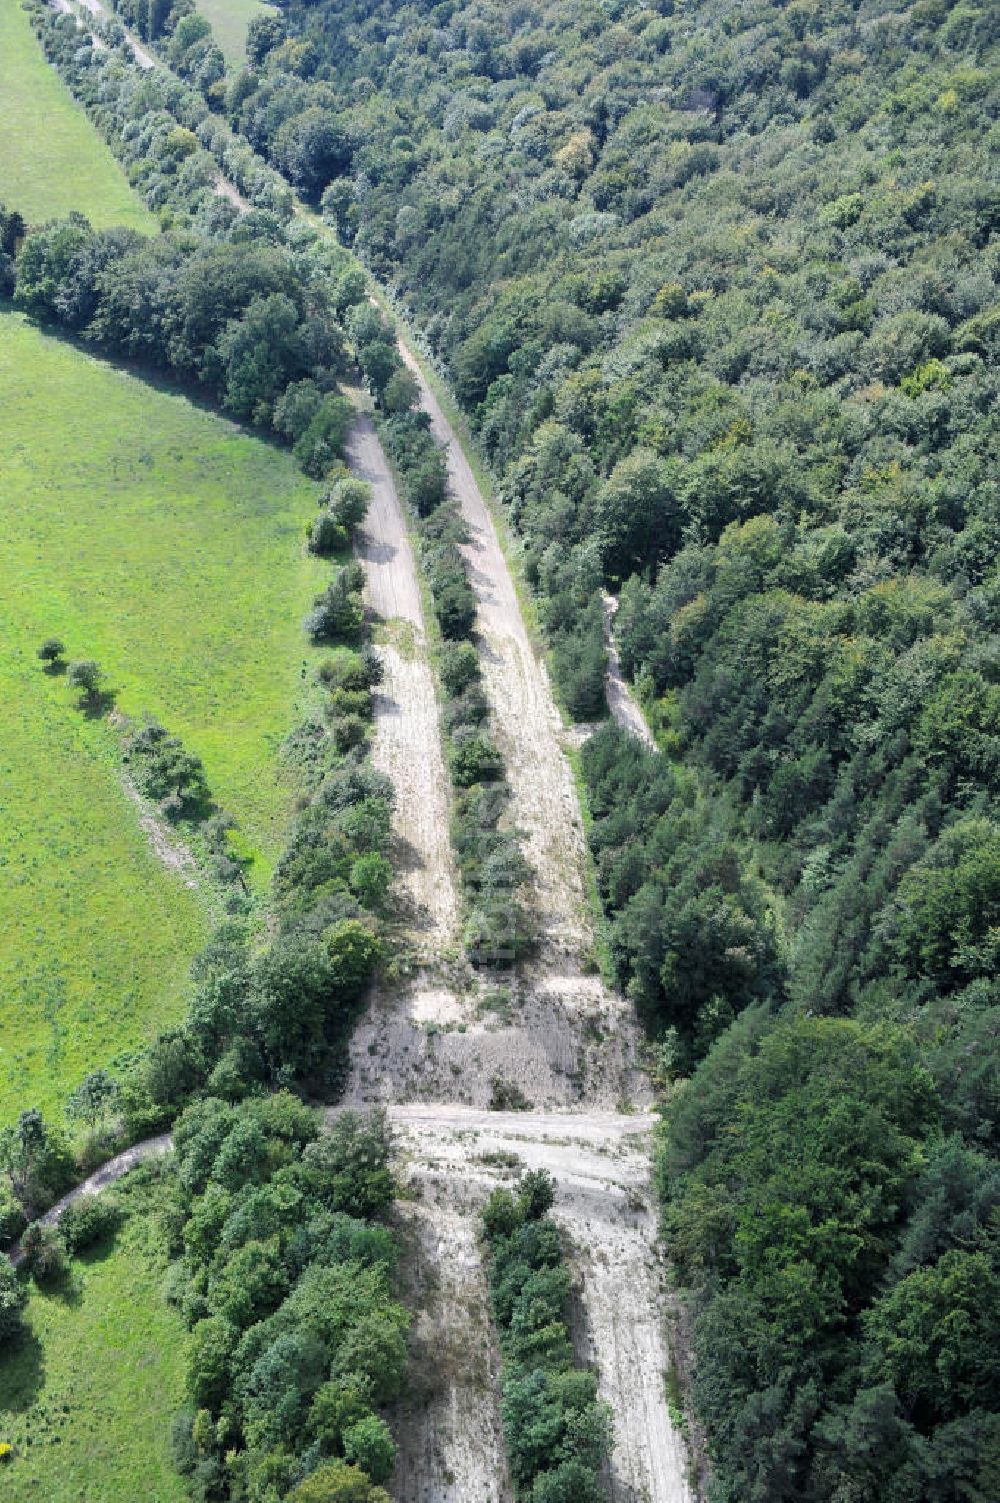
column 51, row 158
column 229, row 20
column 160, row 539
column 86, row 1396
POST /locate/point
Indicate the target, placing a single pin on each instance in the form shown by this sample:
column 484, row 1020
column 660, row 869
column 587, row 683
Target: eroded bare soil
column 407, row 746
column 552, row 1038
column 453, row 1158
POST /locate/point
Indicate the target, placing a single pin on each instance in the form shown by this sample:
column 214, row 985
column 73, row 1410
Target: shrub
column 348, row 501
column 338, row 614
column 44, row 1253
column 85, row 675
column 370, row 1446
column 327, row 535
column 13, row 1298
column 348, row 732
column 459, row 667
column 88, row 1221
column 51, row 650
column 12, row 1217
column 474, row 758
column 338, row 1482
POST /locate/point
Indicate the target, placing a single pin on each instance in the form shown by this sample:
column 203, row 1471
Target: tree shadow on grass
column 97, row 706
column 64, row 1286
column 22, row 1374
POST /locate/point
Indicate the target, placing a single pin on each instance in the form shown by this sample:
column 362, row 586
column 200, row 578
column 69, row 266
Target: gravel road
column 107, row 1174
column 528, row 725
column 407, row 745
column 600, row 1162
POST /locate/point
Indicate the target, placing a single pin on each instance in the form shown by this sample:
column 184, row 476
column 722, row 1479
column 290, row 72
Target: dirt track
column 524, row 712
column 100, row 12
column 569, row 1046
column 600, row 1162
column 407, row 744
column 167, row 848
column 108, row 1174
column 558, row 1036
column 622, row 702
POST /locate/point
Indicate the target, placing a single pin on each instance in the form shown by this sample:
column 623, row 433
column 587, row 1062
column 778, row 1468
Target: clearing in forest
column 229, row 20
column 162, row 541
column 407, row 745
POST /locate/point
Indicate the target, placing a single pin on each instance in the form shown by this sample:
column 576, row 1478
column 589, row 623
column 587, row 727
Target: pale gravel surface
column 570, row 1046
column 100, row 12
column 407, row 745
column 527, row 723
column 561, row 1040
column 605, row 1205
column 225, row 189
column 622, row 702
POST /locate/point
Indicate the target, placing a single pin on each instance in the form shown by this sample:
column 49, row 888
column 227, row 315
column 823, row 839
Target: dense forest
column 717, row 286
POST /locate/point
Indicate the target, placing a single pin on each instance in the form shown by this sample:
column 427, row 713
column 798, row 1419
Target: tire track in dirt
column 407, row 745
column 452, row 1160
column 528, row 726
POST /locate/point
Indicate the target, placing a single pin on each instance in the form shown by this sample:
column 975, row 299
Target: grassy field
column 229, row 20
column 51, row 158
column 87, row 1397
column 162, row 541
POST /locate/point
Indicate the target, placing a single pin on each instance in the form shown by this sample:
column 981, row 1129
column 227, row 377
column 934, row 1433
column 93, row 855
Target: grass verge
column 229, row 20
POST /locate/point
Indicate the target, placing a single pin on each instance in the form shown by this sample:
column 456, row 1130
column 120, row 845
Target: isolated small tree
column 86, row 676
column 348, row 501
column 93, row 1098
column 326, row 535
column 37, row 1159
column 372, row 667
column 44, row 1253
column 51, row 650
column 401, row 392
column 537, row 1192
